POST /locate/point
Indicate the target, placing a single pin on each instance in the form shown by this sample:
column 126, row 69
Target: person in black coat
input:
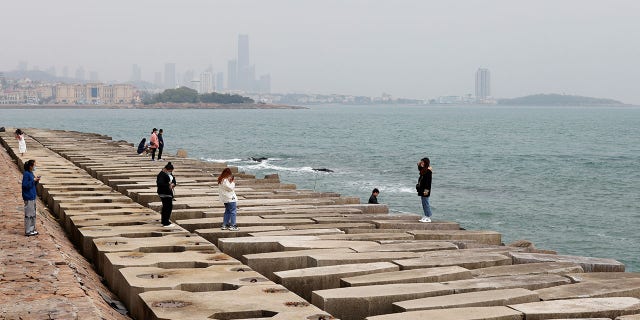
column 166, row 182
column 424, row 187
column 374, row 196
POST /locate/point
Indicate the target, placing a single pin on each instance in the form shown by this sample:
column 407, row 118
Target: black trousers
column 160, row 152
column 167, row 206
column 153, row 153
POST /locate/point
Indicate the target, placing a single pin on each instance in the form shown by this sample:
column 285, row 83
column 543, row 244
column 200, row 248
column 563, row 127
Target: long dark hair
column 425, row 168
column 28, row 166
column 224, row 175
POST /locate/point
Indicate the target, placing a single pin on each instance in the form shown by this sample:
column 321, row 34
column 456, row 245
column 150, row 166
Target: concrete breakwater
column 299, row 254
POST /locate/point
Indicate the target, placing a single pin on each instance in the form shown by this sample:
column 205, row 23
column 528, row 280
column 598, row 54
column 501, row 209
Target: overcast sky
column 408, row 48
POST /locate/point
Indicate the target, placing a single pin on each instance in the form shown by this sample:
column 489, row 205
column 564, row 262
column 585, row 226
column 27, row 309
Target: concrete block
column 530, row 282
column 268, row 263
column 438, row 274
column 588, row 264
column 624, row 287
column 296, row 244
column 416, row 225
column 415, row 246
column 242, row 221
column 471, row 313
column 529, row 268
column 130, row 282
column 501, row 297
column 166, row 260
column 300, row 232
column 579, row 308
column 368, row 236
column 359, row 302
column 237, row 247
column 214, row 234
column 466, row 260
column 330, row 259
column 304, row 281
column 247, row 302
column 480, row 236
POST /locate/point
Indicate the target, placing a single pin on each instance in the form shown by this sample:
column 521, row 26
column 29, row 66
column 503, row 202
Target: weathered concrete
column 304, row 281
column 169, row 243
column 247, row 302
column 625, row 287
column 480, row 236
column 330, row 259
column 166, row 260
column 416, row 225
column 214, row 234
column 529, row 268
column 360, row 302
column 300, row 232
column 579, row 308
column 130, row 282
column 472, row 313
column 502, row 297
column 368, row 236
column 438, row 274
column 295, row 244
column 588, row 264
column 268, row 263
column 237, row 247
column 417, row 246
column 466, row 260
column 531, row 282
column 242, row 221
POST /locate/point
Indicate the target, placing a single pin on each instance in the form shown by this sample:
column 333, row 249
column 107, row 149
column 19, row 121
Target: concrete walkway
column 42, row 277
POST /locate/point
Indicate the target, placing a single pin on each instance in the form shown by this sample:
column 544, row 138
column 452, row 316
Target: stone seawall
column 299, row 254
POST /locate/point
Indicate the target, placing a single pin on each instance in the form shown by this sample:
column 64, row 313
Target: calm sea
column 567, row 178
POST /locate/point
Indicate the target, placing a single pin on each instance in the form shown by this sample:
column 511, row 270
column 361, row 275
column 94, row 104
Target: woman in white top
column 228, row 196
column 22, row 144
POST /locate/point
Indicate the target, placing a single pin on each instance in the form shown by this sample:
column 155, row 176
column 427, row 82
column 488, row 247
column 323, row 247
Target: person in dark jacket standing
column 166, row 182
column 374, row 196
column 161, row 145
column 424, row 187
column 29, row 194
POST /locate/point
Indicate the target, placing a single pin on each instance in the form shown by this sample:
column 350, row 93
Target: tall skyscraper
column 206, row 82
column 232, row 75
column 170, row 75
column 136, row 73
column 80, row 74
column 157, row 80
column 243, row 51
column 483, row 85
column 219, row 87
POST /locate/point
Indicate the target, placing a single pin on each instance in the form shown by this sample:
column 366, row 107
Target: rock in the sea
column 322, row 169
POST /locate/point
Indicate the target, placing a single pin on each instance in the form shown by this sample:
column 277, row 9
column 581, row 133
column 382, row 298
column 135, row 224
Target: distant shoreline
column 153, row 106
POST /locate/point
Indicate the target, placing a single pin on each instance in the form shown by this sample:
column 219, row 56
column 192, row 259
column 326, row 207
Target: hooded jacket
column 226, row 191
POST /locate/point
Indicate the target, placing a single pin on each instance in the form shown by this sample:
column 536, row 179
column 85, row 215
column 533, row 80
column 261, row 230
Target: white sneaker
column 170, row 225
column 224, row 227
column 233, row 228
column 426, row 219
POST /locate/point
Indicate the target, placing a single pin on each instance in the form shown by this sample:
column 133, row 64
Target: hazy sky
column 408, row 48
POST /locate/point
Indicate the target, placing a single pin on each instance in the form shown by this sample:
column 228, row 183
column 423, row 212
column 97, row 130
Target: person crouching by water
column 424, row 187
column 228, row 196
column 29, row 194
column 374, row 196
column 166, row 183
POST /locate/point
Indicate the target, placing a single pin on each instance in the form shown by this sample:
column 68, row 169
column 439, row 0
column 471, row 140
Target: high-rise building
column 483, row 85
column 243, row 51
column 206, row 82
column 170, row 75
column 80, row 74
column 157, row 79
column 232, row 75
column 219, row 87
column 136, row 73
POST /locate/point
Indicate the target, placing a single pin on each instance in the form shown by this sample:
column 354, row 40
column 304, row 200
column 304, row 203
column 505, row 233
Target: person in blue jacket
column 29, row 194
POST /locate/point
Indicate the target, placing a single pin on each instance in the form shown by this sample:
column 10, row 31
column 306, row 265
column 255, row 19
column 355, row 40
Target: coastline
column 154, row 106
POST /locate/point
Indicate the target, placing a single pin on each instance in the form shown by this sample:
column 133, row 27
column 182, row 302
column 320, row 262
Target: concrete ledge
column 529, row 268
column 489, row 298
column 579, row 308
column 408, row 276
column 249, row 302
column 472, row 313
column 588, row 264
column 304, row 281
column 360, row 302
column 466, row 260
column 481, row 236
column 268, row 263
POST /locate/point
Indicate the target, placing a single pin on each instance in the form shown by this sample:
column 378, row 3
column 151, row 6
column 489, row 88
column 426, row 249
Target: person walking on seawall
column 153, row 143
column 160, row 145
column 166, row 182
column 424, row 187
column 374, row 196
column 29, row 195
column 22, row 144
column 226, row 188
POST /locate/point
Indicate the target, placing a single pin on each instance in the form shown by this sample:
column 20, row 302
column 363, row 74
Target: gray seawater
column 567, row 179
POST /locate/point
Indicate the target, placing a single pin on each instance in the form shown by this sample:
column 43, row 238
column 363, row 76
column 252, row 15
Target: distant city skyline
column 407, row 48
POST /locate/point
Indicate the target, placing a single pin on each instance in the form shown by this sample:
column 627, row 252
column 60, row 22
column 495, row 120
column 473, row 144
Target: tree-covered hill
column 558, row 100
